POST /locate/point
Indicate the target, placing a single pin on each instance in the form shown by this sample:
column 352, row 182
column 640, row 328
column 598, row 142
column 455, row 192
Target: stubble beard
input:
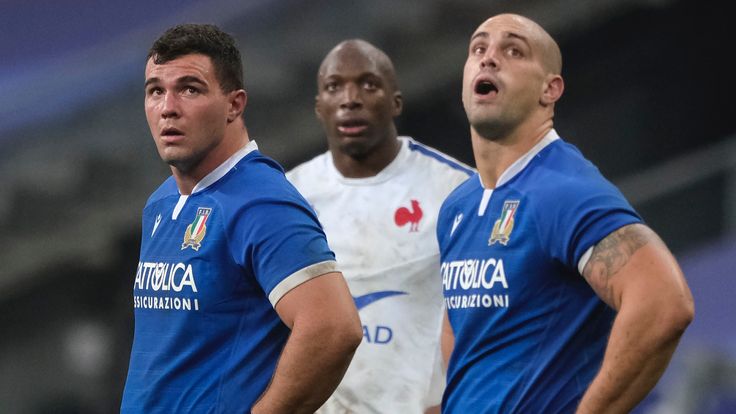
column 491, row 128
column 355, row 150
column 183, row 163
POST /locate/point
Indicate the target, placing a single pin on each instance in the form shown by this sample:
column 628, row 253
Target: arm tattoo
column 611, row 254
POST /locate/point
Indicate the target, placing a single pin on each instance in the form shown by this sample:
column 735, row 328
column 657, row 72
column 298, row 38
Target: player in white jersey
column 239, row 306
column 377, row 196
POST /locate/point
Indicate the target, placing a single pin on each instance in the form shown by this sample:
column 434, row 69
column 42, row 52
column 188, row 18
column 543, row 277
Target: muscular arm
column 634, row 272
column 325, row 331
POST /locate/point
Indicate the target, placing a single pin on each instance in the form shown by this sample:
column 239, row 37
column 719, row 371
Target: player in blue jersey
column 560, row 298
column 239, row 306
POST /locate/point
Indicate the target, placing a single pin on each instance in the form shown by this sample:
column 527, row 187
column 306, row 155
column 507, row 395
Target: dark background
column 648, row 99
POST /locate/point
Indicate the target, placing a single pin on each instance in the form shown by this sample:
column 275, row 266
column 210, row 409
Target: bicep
column 633, row 262
column 322, row 298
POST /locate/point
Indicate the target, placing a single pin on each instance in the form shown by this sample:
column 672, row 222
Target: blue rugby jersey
column 530, row 333
column 212, row 267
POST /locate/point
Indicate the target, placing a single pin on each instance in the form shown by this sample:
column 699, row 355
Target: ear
column 553, row 88
column 238, row 99
column 398, row 103
column 318, row 108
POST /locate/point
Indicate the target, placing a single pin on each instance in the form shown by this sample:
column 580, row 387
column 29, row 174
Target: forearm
column 639, row 349
column 311, row 366
column 634, row 272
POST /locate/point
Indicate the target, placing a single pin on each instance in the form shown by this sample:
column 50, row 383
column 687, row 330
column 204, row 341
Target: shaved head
column 357, row 100
column 354, row 48
column 511, row 78
column 549, row 51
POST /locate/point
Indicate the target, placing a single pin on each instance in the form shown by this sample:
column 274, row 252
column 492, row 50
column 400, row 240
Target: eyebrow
column 360, row 77
column 150, row 81
column 479, row 34
column 183, row 79
column 517, row 36
column 511, row 35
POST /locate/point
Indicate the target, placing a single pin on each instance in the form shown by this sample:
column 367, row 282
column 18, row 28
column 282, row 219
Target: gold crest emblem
column 196, row 230
column 505, row 224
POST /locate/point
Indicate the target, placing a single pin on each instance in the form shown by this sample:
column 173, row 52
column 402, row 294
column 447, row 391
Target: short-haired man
column 559, row 297
column 377, row 196
column 239, row 306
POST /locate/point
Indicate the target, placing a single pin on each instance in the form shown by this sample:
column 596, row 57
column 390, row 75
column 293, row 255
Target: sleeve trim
column 584, row 259
column 300, row 276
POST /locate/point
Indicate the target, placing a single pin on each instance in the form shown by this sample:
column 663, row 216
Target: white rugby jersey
column 382, row 230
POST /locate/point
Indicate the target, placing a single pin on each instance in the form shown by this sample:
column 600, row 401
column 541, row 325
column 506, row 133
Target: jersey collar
column 389, row 171
column 514, row 169
column 214, row 175
column 225, row 167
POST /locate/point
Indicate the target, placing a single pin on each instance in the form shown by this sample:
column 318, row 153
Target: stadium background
column 648, row 99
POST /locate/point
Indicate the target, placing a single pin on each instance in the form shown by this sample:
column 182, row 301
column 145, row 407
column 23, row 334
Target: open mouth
column 171, row 135
column 352, row 127
column 171, row 132
column 485, row 87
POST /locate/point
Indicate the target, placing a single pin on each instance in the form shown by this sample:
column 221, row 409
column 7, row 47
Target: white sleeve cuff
column 584, row 259
column 300, row 276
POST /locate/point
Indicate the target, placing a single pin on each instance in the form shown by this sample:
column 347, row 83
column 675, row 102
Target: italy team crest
column 505, row 224
column 196, row 230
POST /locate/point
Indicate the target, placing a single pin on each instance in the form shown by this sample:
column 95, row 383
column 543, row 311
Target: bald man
column 377, row 196
column 560, row 298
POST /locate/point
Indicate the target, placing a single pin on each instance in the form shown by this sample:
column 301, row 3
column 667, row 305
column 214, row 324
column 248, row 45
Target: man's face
column 186, row 109
column 503, row 79
column 356, row 102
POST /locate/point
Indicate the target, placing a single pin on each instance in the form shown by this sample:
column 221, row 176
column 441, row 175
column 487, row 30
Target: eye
column 191, row 90
column 370, row 85
column 478, row 50
column 331, row 86
column 514, row 52
column 154, row 91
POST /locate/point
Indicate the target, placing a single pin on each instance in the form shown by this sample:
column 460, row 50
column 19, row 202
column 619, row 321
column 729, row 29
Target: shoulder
column 572, row 201
column 561, row 173
column 166, row 189
column 255, row 181
column 259, row 171
column 308, row 171
column 437, row 159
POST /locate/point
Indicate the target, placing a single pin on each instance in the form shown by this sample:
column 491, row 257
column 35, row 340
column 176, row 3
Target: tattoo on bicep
column 611, row 254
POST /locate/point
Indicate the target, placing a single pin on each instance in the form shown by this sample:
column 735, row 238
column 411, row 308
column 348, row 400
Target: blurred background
column 647, row 99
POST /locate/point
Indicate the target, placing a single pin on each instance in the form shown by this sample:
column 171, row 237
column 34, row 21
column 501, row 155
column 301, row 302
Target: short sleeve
column 579, row 213
column 281, row 242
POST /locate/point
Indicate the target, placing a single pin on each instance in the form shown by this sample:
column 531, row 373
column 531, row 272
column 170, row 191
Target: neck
column 366, row 165
column 494, row 156
column 234, row 140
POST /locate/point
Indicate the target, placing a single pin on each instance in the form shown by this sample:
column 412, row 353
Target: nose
column 351, row 98
column 170, row 106
column 489, row 60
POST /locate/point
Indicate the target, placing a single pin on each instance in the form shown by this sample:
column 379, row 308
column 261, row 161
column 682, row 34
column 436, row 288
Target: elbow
column 685, row 311
column 353, row 335
column 345, row 334
column 676, row 317
column 685, row 315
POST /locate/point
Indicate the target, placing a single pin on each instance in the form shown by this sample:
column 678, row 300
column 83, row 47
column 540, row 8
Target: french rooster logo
column 403, row 215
